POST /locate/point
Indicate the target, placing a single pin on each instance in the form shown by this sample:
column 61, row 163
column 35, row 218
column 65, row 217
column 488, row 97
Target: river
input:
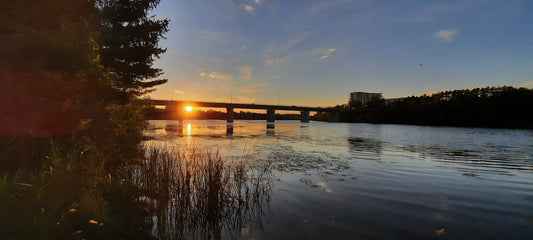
column 367, row 181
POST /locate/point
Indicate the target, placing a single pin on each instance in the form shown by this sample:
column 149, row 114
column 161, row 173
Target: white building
column 364, row 97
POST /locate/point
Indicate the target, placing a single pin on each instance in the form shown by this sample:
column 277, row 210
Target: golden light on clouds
column 527, row 85
column 328, row 53
column 217, row 76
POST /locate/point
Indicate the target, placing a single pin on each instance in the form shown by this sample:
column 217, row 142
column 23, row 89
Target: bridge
column 270, row 109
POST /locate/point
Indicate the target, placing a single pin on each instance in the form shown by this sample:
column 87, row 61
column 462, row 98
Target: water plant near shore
column 199, row 195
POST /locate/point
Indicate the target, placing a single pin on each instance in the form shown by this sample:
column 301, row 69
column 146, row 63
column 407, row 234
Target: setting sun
column 188, row 108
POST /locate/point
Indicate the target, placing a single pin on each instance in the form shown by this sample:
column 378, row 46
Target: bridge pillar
column 229, row 129
column 304, row 116
column 229, row 115
column 271, row 117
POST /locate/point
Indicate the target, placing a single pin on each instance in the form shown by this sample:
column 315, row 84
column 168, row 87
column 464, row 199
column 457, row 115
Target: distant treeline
column 164, row 114
column 498, row 107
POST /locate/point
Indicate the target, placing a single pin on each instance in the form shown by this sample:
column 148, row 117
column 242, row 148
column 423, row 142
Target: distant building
column 364, row 97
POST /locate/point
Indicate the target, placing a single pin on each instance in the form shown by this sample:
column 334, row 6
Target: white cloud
column 249, row 9
column 258, row 1
column 178, row 91
column 446, row 35
column 246, row 73
column 327, row 53
column 216, row 76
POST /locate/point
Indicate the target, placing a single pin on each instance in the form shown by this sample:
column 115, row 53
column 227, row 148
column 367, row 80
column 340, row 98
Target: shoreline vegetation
column 73, row 161
column 489, row 107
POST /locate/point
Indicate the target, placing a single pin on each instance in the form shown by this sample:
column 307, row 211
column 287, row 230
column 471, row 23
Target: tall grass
column 51, row 189
column 200, row 196
column 63, row 190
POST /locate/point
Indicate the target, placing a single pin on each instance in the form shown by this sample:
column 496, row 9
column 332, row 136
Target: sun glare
column 188, row 108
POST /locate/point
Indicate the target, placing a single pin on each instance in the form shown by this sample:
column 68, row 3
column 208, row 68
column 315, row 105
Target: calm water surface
column 364, row 181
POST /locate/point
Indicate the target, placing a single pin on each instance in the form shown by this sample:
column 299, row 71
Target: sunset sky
column 317, row 52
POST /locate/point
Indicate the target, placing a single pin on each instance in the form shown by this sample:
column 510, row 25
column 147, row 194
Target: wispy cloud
column 243, row 48
column 249, row 9
column 254, row 88
column 446, row 35
column 217, row 76
column 296, row 40
column 327, row 53
column 258, row 1
column 246, row 73
column 177, row 91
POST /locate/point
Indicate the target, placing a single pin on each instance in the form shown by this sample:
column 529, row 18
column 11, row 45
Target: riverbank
column 490, row 107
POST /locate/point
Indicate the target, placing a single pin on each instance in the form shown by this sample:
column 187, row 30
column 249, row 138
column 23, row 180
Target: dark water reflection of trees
column 366, row 145
column 471, row 162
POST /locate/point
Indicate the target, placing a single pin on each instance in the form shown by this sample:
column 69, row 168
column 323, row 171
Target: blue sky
column 317, row 52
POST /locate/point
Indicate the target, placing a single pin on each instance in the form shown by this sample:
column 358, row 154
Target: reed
column 199, row 195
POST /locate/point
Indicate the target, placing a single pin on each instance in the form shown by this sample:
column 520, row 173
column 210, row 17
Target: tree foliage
column 49, row 65
column 505, row 107
column 129, row 44
column 65, row 141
